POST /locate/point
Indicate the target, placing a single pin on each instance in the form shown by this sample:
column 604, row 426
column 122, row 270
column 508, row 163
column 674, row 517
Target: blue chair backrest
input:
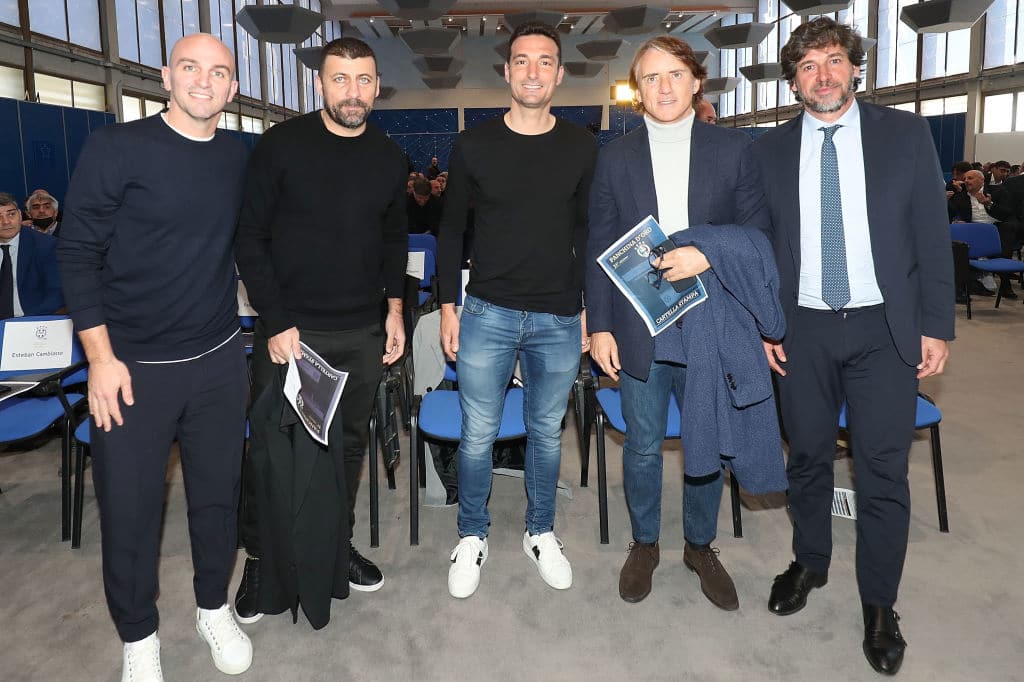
column 77, row 352
column 423, row 241
column 982, row 239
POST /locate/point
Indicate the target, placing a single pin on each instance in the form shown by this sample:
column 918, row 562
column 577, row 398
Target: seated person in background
column 423, row 208
column 435, row 187
column 957, row 183
column 29, row 280
column 973, row 205
column 706, row 112
column 433, row 170
column 42, row 212
column 998, row 172
column 443, row 179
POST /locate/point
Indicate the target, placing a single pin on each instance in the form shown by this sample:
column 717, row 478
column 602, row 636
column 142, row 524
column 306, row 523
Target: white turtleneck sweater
column 670, row 156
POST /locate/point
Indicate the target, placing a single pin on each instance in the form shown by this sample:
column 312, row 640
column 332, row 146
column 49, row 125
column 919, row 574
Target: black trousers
column 832, row 357
column 356, row 351
column 201, row 403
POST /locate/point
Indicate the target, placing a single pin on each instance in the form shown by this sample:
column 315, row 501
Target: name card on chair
column 245, row 308
column 36, row 344
column 415, row 265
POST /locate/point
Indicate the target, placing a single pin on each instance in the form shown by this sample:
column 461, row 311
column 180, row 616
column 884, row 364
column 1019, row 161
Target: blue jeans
column 645, row 408
column 549, row 357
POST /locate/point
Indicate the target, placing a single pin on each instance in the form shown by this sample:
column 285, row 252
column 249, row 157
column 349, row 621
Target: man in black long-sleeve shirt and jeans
column 527, row 176
column 321, row 242
column 145, row 258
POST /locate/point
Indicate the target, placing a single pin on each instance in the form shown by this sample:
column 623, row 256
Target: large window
column 1001, row 113
column 944, row 105
column 181, row 17
column 135, row 107
column 74, row 21
column 70, row 93
column 1004, row 33
column 9, row 12
column 730, row 61
column 12, row 82
column 138, row 32
column 897, row 46
column 945, row 54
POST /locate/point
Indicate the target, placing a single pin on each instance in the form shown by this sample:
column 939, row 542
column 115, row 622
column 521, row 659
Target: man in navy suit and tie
column 29, row 280
column 861, row 240
column 686, row 173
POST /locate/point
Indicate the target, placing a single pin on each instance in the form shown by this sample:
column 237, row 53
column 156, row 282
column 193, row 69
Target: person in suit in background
column 433, row 170
column 862, row 245
column 663, row 169
column 29, row 279
column 976, row 205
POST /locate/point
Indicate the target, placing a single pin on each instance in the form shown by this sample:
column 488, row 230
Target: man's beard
column 337, row 113
column 820, row 107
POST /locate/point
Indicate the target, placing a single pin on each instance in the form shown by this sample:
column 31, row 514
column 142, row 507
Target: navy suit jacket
column 38, row 278
column 907, row 221
column 724, row 190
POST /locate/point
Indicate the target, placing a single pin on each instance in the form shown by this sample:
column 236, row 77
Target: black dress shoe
column 883, row 643
column 363, row 575
column 790, row 589
column 247, row 597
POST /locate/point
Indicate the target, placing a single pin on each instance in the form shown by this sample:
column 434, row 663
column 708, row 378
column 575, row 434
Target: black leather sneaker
column 247, row 597
column 363, row 575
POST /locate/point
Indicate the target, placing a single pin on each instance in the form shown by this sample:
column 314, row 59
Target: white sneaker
column 546, row 551
column 141, row 661
column 230, row 647
column 467, row 558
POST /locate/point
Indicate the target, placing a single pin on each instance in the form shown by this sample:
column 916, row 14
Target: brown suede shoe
column 636, row 573
column 715, row 582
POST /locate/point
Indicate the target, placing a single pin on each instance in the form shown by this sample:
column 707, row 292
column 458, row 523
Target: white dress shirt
column 978, row 212
column 860, row 263
column 670, row 159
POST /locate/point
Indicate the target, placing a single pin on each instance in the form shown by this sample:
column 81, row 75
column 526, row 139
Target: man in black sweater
column 321, row 242
column 145, row 257
column 527, row 175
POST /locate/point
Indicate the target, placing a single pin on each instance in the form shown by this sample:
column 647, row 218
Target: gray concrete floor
column 961, row 599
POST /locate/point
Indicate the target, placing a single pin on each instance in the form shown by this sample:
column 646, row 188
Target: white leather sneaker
column 467, row 558
column 546, row 551
column 230, row 647
column 141, row 661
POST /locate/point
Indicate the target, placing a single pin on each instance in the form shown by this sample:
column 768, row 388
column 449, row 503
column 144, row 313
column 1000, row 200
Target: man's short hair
column 962, row 167
column 816, row 35
column 46, row 196
column 672, row 46
column 421, row 187
column 534, row 28
column 7, row 199
column 1001, row 164
column 346, row 48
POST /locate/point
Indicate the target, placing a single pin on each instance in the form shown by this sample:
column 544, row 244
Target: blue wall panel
column 586, row 117
column 948, row 132
column 42, row 138
column 12, row 173
column 76, row 129
column 398, row 121
column 471, row 118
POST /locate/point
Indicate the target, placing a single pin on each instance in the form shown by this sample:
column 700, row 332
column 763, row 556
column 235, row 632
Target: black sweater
column 529, row 195
column 322, row 233
column 145, row 244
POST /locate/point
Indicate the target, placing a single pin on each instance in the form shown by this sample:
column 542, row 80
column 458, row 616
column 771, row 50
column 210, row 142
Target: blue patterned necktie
column 835, row 281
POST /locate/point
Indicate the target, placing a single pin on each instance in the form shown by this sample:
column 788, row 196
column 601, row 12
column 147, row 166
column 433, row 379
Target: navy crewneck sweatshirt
column 145, row 244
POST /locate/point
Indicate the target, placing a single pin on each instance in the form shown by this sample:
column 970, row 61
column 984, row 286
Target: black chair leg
column 374, row 486
column 390, row 472
column 940, row 482
column 65, row 480
column 415, row 450
column 734, row 495
column 602, row 480
column 76, row 530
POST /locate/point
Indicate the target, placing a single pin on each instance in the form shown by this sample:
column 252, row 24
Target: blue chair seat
column 927, row 415
column 82, row 432
column 24, row 417
column 424, row 296
column 997, row 265
column 441, row 415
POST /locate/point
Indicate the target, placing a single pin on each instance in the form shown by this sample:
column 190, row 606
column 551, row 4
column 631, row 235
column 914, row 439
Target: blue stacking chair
column 425, row 241
column 984, row 251
column 437, row 416
column 29, row 414
column 928, row 417
column 606, row 407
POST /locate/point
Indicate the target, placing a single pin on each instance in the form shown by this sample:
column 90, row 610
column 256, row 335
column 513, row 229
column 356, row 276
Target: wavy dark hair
column 678, row 49
column 534, row 28
column 816, row 35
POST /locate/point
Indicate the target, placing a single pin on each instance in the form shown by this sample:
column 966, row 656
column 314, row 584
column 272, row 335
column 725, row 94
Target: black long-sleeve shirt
column 322, row 231
column 529, row 195
column 145, row 244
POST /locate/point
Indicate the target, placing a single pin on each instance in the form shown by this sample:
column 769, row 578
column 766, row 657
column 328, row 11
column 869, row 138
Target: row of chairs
column 984, row 255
